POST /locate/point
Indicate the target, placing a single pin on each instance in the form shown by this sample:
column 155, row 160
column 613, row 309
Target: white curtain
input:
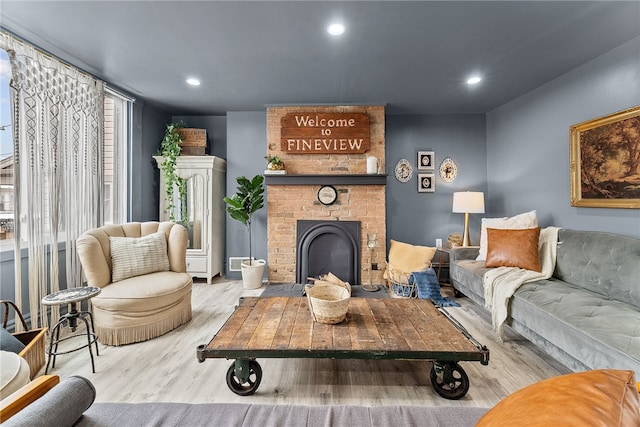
column 58, row 134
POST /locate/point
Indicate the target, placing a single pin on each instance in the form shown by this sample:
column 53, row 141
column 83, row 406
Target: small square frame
column 426, row 183
column 426, row 160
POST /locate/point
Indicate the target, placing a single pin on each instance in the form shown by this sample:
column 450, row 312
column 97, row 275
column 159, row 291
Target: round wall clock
column 327, row 195
column 403, row 170
column 448, row 170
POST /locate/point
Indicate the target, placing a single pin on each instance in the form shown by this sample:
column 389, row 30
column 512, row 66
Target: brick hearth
column 288, row 203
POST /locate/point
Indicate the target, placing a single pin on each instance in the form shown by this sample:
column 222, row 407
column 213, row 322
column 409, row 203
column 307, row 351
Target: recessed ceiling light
column 335, row 29
column 193, row 82
column 474, row 80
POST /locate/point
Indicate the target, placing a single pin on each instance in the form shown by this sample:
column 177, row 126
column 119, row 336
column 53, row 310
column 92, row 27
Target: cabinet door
column 195, row 210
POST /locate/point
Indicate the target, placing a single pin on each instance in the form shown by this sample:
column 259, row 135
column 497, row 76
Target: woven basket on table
column 328, row 302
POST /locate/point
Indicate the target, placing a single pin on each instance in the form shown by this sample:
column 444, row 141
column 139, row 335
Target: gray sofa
column 587, row 315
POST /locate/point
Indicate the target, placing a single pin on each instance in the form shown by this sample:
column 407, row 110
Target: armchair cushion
column 131, row 256
column 146, row 293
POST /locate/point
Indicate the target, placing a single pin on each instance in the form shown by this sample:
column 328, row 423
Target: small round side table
column 71, row 297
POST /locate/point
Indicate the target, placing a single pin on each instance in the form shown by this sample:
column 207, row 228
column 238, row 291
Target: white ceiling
column 412, row 56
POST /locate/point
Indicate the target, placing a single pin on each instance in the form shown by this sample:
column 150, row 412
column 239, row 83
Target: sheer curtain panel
column 58, row 134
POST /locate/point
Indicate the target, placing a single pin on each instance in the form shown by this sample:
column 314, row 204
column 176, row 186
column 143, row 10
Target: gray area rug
column 297, row 289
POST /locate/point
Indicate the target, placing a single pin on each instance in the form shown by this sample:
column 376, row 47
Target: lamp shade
column 468, row 202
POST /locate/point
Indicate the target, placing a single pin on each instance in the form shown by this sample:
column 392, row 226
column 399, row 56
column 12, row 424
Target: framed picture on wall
column 426, row 183
column 426, row 160
column 604, row 163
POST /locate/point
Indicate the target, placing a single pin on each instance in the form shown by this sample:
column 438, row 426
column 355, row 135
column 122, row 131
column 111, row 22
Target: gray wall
column 246, row 148
column 420, row 218
column 528, row 142
column 149, row 123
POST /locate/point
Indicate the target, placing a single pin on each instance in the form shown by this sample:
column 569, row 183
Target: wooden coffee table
column 376, row 328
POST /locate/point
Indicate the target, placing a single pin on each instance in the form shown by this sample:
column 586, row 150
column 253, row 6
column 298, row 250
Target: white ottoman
column 14, row 373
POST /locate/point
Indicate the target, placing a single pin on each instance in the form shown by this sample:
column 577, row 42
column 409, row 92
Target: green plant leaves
column 248, row 199
column 170, row 150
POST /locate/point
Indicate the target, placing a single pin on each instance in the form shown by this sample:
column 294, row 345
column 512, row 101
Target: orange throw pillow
column 513, row 248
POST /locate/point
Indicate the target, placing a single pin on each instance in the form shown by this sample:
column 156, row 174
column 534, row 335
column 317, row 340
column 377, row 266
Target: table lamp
column 468, row 202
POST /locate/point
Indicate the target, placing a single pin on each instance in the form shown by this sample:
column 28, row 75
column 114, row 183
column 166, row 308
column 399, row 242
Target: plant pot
column 252, row 273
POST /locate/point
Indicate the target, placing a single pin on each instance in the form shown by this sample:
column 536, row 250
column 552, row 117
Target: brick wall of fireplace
column 288, row 203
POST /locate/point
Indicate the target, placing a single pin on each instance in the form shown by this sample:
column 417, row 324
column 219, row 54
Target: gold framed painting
column 605, row 161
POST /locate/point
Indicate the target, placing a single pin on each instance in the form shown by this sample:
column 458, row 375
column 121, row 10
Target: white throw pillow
column 518, row 222
column 131, row 256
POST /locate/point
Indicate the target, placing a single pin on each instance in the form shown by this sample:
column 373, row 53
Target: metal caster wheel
column 449, row 380
column 243, row 377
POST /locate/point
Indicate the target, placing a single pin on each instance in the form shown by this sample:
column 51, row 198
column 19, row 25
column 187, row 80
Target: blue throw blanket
column 429, row 288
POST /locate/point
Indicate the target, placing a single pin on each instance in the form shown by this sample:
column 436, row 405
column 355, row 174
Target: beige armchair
column 146, row 291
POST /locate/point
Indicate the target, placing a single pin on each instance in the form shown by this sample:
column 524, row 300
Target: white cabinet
column 205, row 212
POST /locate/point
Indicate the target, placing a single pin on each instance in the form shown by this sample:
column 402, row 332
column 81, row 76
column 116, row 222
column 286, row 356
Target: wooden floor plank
column 243, row 336
column 267, row 327
column 341, row 337
column 282, row 338
column 226, row 337
column 437, row 334
column 362, row 327
column 301, row 335
column 406, row 328
column 390, row 335
column 321, row 336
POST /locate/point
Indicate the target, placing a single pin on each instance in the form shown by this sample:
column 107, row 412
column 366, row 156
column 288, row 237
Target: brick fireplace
column 294, row 197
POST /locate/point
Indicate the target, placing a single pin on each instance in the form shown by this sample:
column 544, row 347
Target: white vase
column 252, row 273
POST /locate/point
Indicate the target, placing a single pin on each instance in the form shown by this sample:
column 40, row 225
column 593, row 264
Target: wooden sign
column 325, row 133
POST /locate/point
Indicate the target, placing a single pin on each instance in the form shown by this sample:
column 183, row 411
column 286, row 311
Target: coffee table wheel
column 449, row 380
column 243, row 377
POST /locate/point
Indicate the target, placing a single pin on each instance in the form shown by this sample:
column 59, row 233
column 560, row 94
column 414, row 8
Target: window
column 117, row 112
column 6, row 151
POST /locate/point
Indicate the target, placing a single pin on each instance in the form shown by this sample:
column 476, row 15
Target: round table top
column 67, row 296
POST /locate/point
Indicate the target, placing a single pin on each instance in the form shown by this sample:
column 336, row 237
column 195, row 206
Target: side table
column 71, row 297
column 441, row 254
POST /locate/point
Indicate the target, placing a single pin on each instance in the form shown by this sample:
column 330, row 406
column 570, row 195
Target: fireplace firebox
column 328, row 246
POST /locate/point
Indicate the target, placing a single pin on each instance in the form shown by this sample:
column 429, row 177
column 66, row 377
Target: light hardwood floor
column 165, row 369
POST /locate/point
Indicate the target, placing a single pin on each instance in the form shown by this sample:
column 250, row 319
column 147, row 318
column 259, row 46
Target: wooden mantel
column 316, row 179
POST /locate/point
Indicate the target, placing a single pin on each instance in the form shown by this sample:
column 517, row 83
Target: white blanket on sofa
column 500, row 283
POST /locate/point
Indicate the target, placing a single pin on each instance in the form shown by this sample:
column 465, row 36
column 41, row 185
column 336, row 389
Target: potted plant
column 170, row 150
column 241, row 207
column 274, row 163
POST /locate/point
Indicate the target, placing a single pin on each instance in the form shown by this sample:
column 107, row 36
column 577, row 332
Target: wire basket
column 398, row 283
